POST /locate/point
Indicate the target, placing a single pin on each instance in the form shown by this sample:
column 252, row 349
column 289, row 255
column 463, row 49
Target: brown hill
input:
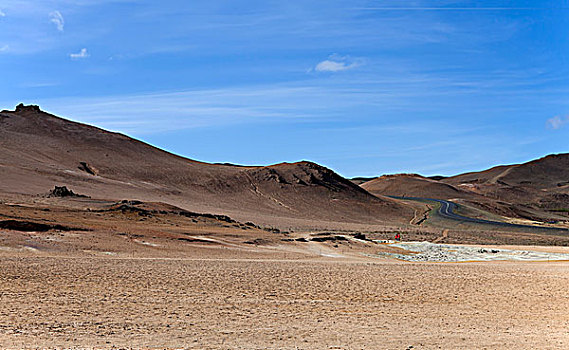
column 39, row 150
column 360, row 180
column 537, row 190
column 541, row 183
column 412, row 185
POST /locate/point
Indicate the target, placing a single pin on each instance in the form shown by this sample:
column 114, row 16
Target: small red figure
column 398, row 237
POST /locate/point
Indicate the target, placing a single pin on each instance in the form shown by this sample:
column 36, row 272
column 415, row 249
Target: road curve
column 447, row 210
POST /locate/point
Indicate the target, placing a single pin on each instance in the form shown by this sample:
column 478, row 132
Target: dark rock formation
column 63, row 191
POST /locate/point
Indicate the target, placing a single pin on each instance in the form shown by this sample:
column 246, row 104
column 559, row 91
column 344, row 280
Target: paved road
column 447, row 210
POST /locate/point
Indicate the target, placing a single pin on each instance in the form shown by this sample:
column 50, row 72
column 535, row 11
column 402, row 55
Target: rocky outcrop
column 63, row 191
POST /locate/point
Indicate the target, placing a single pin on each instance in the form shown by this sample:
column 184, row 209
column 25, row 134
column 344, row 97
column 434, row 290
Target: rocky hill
column 39, row 150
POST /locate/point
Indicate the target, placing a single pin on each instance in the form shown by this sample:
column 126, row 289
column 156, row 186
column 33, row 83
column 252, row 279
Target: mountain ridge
column 44, row 150
column 536, row 190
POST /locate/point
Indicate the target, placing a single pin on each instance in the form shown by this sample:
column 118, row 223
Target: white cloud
column 557, row 122
column 4, row 48
column 2, row 14
column 337, row 63
column 137, row 114
column 82, row 54
column 331, row 66
column 35, row 85
column 56, row 18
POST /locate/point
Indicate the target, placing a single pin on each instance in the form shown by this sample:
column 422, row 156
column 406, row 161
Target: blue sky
column 363, row 87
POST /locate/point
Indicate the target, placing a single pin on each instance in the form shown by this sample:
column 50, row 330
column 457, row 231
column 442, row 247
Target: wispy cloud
column 4, row 48
column 160, row 112
column 384, row 97
column 557, row 122
column 56, row 18
column 2, row 14
column 37, row 85
column 332, row 66
column 336, row 63
column 82, row 54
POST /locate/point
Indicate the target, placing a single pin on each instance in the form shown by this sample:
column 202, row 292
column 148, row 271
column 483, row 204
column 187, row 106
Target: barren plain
column 254, row 302
column 148, row 250
column 145, row 275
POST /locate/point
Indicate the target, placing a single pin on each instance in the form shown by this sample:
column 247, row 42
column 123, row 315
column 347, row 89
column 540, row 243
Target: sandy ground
column 280, row 304
column 149, row 277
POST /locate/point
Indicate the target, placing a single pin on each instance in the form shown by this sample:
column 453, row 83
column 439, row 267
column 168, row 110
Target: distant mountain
column 537, row 190
column 39, row 150
column 361, row 180
column 412, row 185
column 541, row 183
